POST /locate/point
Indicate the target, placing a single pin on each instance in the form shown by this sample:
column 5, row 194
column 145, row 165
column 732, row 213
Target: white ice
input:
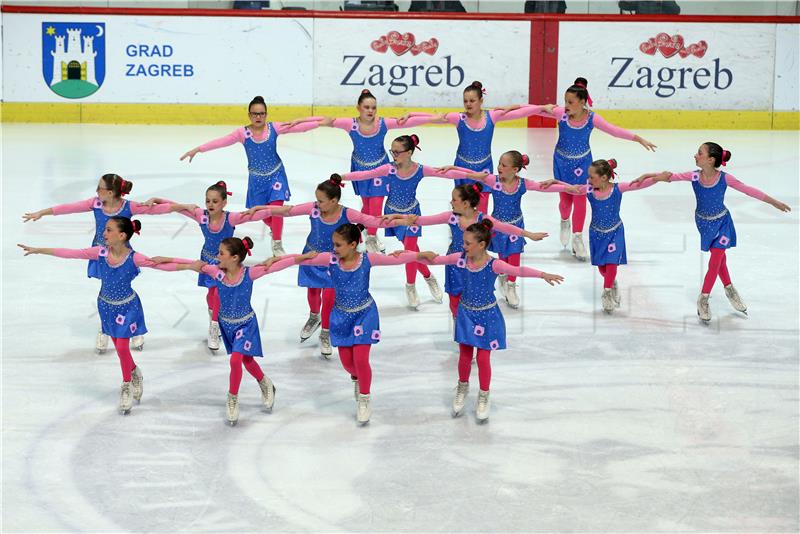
column 644, row 420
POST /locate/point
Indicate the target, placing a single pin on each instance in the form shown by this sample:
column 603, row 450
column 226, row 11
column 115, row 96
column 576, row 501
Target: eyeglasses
column 396, row 153
column 258, row 114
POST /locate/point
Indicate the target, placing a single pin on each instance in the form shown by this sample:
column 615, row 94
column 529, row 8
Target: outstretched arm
column 452, row 174
column 510, row 229
column 501, row 267
column 166, row 264
column 377, row 172
column 637, row 184
column 602, row 124
column 258, row 271
column 237, row 136
column 61, row 209
column 756, row 193
column 525, row 110
column 389, row 259
column 138, row 208
column 286, row 128
column 259, row 213
column 69, row 253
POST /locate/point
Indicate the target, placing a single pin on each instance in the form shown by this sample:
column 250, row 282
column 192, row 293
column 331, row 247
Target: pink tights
column 372, row 206
column 410, row 243
column 322, row 298
column 122, row 344
column 577, row 205
column 609, row 272
column 275, row 223
column 237, row 359
column 465, row 365
column 355, row 360
column 717, row 266
column 212, row 299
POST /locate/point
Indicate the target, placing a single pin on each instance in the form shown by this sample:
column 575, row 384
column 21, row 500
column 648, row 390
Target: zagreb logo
column 74, row 57
column 669, row 45
column 400, row 44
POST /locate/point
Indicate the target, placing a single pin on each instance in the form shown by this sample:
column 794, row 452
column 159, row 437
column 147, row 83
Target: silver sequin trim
column 206, row 254
column 358, row 308
column 368, row 163
column 118, row 302
column 473, row 162
column 479, row 308
column 606, row 230
column 719, row 215
column 403, row 210
column 270, row 172
column 512, row 221
column 573, row 156
column 237, row 320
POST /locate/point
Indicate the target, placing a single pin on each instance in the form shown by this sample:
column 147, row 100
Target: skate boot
column 277, row 248
column 325, row 343
column 608, row 300
column 137, row 384
column 735, row 299
column 511, row 295
column 615, row 293
column 267, row 393
column 125, row 398
column 482, row 409
column 578, row 248
column 232, row 409
column 137, row 342
column 566, row 231
column 436, row 290
column 363, row 411
column 703, row 309
column 310, row 327
column 461, row 397
column 213, row 335
column 411, row 296
column 101, row 343
column 371, row 244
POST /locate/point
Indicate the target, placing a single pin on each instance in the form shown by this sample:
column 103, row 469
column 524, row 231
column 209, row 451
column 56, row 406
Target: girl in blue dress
column 237, row 320
column 368, row 133
column 325, row 215
column 118, row 305
column 713, row 220
column 606, row 231
column 109, row 202
column 403, row 177
column 479, row 323
column 267, row 182
column 573, row 155
column 355, row 325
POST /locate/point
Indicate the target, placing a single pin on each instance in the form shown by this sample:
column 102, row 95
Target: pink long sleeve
column 449, row 259
column 501, row 267
column 627, row 186
column 504, row 228
column 452, row 174
column 377, row 172
column 236, row 136
column 601, row 124
column 297, row 128
column 369, row 221
column 259, row 270
column 155, row 209
column 419, row 120
column 320, row 260
column 78, row 253
column 429, row 220
column 74, row 207
column 343, row 123
column 533, row 185
column 746, row 189
column 143, row 261
column 387, row 259
column 196, row 215
column 453, row 117
column 520, row 113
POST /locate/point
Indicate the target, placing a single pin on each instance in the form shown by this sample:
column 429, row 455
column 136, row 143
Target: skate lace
column 483, row 400
column 231, row 403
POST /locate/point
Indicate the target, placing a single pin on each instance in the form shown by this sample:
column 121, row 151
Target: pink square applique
column 461, row 263
column 103, row 252
column 413, row 229
column 494, row 344
column 247, row 345
column 220, row 276
column 695, row 176
column 724, row 240
column 564, row 117
column 133, row 327
column 589, row 189
column 358, row 330
column 513, row 237
column 239, row 334
column 376, row 335
column 377, row 182
column 392, row 170
column 204, row 219
column 463, row 116
column 478, row 330
column 354, row 127
column 578, row 172
column 334, row 259
column 120, row 319
column 453, row 219
column 277, row 186
column 612, row 247
column 497, row 186
column 315, row 213
column 97, row 203
column 487, row 170
column 248, row 134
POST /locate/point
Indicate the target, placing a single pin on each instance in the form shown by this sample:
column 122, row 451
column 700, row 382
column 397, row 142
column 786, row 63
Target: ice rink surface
column 644, row 420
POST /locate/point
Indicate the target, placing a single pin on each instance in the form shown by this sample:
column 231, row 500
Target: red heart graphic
column 400, row 44
column 684, row 52
column 417, row 48
column 380, row 45
column 430, row 46
column 649, row 47
column 669, row 46
column 702, row 47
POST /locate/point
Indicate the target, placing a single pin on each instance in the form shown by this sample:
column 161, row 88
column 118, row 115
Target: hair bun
column 365, row 92
column 612, row 163
column 726, row 155
column 336, row 178
column 525, row 159
column 222, row 183
column 137, row 226
column 248, row 243
column 415, row 140
column 478, row 85
column 487, row 223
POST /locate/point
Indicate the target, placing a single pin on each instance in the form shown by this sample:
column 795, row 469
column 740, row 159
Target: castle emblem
column 73, row 57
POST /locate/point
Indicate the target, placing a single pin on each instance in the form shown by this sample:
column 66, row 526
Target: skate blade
column 326, row 356
column 363, row 423
column 124, row 412
column 482, row 421
column 139, row 348
column 455, row 414
column 232, row 423
column 607, row 312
